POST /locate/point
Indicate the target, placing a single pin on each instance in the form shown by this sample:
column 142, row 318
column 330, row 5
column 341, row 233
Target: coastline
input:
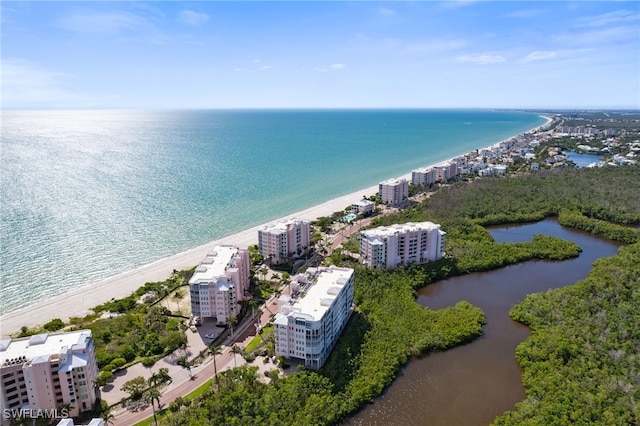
column 79, row 302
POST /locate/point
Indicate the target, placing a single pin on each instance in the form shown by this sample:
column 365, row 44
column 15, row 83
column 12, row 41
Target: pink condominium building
column 393, row 191
column 219, row 283
column 278, row 241
column 47, row 372
column 390, row 246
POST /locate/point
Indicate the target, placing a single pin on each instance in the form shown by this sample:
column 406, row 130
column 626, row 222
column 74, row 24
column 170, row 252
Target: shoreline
column 79, row 302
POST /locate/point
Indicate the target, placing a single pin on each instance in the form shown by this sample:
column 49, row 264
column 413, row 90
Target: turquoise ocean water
column 89, row 194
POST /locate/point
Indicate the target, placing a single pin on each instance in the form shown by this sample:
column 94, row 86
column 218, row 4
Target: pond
column 474, row 383
column 583, row 160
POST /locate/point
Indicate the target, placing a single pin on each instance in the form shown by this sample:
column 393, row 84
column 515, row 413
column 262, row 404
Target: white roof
column 393, row 181
column 40, row 347
column 328, row 284
column 214, row 265
column 282, row 226
column 383, row 231
column 363, row 203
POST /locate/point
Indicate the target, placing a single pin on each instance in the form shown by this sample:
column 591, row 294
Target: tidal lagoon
column 475, row 383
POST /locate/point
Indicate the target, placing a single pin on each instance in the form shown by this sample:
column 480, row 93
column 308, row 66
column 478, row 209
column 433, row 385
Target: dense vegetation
column 582, row 362
column 388, row 326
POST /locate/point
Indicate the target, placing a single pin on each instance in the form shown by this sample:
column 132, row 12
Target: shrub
column 54, row 325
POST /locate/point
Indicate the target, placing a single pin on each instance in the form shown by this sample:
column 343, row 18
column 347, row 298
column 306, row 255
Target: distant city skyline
column 332, row 54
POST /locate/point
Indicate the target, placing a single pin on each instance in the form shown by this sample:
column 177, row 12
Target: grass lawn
column 257, row 340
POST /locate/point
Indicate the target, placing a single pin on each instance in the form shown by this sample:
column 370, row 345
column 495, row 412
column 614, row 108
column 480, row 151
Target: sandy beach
column 79, row 302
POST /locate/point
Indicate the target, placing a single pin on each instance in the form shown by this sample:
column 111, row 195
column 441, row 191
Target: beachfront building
column 423, row 176
column 363, row 206
column 391, row 246
column 219, row 283
column 279, row 241
column 426, row 176
column 393, row 191
column 45, row 373
column 310, row 320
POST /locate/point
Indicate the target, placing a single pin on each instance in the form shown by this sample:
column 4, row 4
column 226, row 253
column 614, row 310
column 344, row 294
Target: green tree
column 235, row 350
column 215, row 351
column 54, row 325
column 183, row 362
column 152, row 395
column 134, row 387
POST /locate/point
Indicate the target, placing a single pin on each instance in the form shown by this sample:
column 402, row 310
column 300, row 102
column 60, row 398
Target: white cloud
column 191, row 17
column 525, row 13
column 25, row 85
column 433, row 46
column 385, row 11
column 605, row 36
column 332, row 67
column 482, row 59
column 538, row 55
column 103, row 23
column 455, row 4
column 616, row 17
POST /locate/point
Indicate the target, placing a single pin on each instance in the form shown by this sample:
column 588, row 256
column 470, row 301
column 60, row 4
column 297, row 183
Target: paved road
column 183, row 384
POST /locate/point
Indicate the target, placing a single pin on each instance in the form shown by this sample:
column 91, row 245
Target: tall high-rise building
column 48, row 372
column 390, row 246
column 219, row 283
column 310, row 320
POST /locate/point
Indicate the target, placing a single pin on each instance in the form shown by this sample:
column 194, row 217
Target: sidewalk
column 183, row 384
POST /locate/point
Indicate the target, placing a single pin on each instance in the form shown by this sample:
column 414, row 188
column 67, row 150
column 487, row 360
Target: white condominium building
column 393, row 191
column 219, row 283
column 46, row 372
column 362, row 206
column 309, row 322
column 280, row 240
column 391, row 246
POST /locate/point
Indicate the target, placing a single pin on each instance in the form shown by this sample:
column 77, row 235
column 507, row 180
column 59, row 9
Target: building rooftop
column 281, row 227
column 39, row 347
column 393, row 181
column 405, row 227
column 215, row 264
column 363, row 203
column 316, row 295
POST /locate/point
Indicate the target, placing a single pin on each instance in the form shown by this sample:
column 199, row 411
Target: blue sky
column 331, row 54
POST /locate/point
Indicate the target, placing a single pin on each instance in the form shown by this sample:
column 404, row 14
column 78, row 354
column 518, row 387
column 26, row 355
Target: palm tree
column 107, row 415
column 215, row 350
column 152, row 396
column 232, row 321
column 235, row 349
column 177, row 296
column 183, row 362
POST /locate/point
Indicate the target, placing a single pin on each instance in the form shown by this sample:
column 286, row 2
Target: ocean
column 89, row 194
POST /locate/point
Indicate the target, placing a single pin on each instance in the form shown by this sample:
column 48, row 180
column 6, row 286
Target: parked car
column 210, row 336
